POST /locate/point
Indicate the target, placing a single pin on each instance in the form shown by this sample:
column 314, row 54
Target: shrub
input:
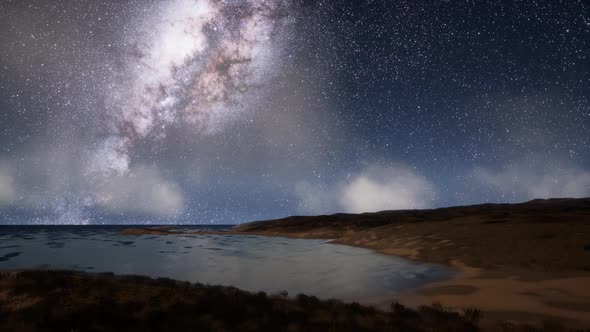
column 472, row 314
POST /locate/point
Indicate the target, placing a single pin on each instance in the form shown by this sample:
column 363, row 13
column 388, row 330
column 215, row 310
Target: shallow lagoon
column 253, row 263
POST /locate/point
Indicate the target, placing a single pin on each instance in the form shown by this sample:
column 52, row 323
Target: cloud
column 142, row 190
column 529, row 179
column 315, row 199
column 375, row 188
column 380, row 188
column 7, row 186
column 54, row 181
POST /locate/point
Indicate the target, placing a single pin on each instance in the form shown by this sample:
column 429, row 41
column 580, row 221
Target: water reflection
column 248, row 262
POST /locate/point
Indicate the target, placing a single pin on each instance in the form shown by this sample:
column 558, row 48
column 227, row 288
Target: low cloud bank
column 59, row 187
column 529, row 179
column 375, row 188
column 141, row 190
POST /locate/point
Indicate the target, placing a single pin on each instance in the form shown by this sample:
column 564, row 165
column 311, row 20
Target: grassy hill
column 541, row 235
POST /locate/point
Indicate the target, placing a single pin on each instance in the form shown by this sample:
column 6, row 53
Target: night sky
column 207, row 111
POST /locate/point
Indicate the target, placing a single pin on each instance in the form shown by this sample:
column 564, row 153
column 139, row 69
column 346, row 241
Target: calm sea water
column 249, row 262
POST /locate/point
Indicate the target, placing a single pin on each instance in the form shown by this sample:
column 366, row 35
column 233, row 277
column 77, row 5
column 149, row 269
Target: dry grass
column 541, row 235
column 76, row 301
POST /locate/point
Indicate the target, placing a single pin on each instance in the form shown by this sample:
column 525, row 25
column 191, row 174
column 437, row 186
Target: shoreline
column 527, row 261
column 520, row 296
column 504, row 294
column 496, row 292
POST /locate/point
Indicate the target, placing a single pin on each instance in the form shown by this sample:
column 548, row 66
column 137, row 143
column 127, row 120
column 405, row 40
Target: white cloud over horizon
column 530, row 179
column 141, row 190
column 63, row 188
column 375, row 188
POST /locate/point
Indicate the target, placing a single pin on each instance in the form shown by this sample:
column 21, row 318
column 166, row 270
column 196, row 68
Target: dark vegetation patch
column 570, row 305
column 449, row 290
column 75, row 301
column 500, row 221
column 546, row 236
column 82, row 267
column 103, row 302
column 539, row 211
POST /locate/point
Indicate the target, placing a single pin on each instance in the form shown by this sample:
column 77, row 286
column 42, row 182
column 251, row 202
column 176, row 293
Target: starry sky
column 227, row 111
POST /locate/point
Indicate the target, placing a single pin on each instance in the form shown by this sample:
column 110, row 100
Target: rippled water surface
column 248, row 262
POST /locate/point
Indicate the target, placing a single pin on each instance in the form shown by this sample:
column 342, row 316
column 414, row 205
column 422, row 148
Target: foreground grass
column 77, row 301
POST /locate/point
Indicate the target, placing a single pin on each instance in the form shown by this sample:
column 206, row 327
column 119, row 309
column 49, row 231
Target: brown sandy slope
column 520, row 261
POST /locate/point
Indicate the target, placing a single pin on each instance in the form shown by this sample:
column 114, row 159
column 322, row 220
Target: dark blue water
column 248, row 262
